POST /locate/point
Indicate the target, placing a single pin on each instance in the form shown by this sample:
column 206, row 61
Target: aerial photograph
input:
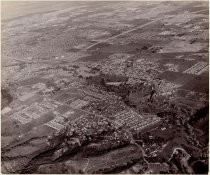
column 104, row 87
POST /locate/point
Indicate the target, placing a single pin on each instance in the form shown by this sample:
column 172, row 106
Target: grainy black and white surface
column 105, row 87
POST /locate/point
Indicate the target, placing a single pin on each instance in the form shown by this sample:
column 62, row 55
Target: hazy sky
column 15, row 9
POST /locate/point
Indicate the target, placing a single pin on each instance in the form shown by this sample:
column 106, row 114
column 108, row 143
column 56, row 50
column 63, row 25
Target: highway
column 133, row 29
column 125, row 32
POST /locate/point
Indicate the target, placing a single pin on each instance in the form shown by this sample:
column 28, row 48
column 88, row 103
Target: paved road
column 136, row 28
column 200, row 11
column 125, row 32
column 88, row 160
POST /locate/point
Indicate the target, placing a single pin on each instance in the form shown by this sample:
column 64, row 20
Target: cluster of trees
column 6, row 98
